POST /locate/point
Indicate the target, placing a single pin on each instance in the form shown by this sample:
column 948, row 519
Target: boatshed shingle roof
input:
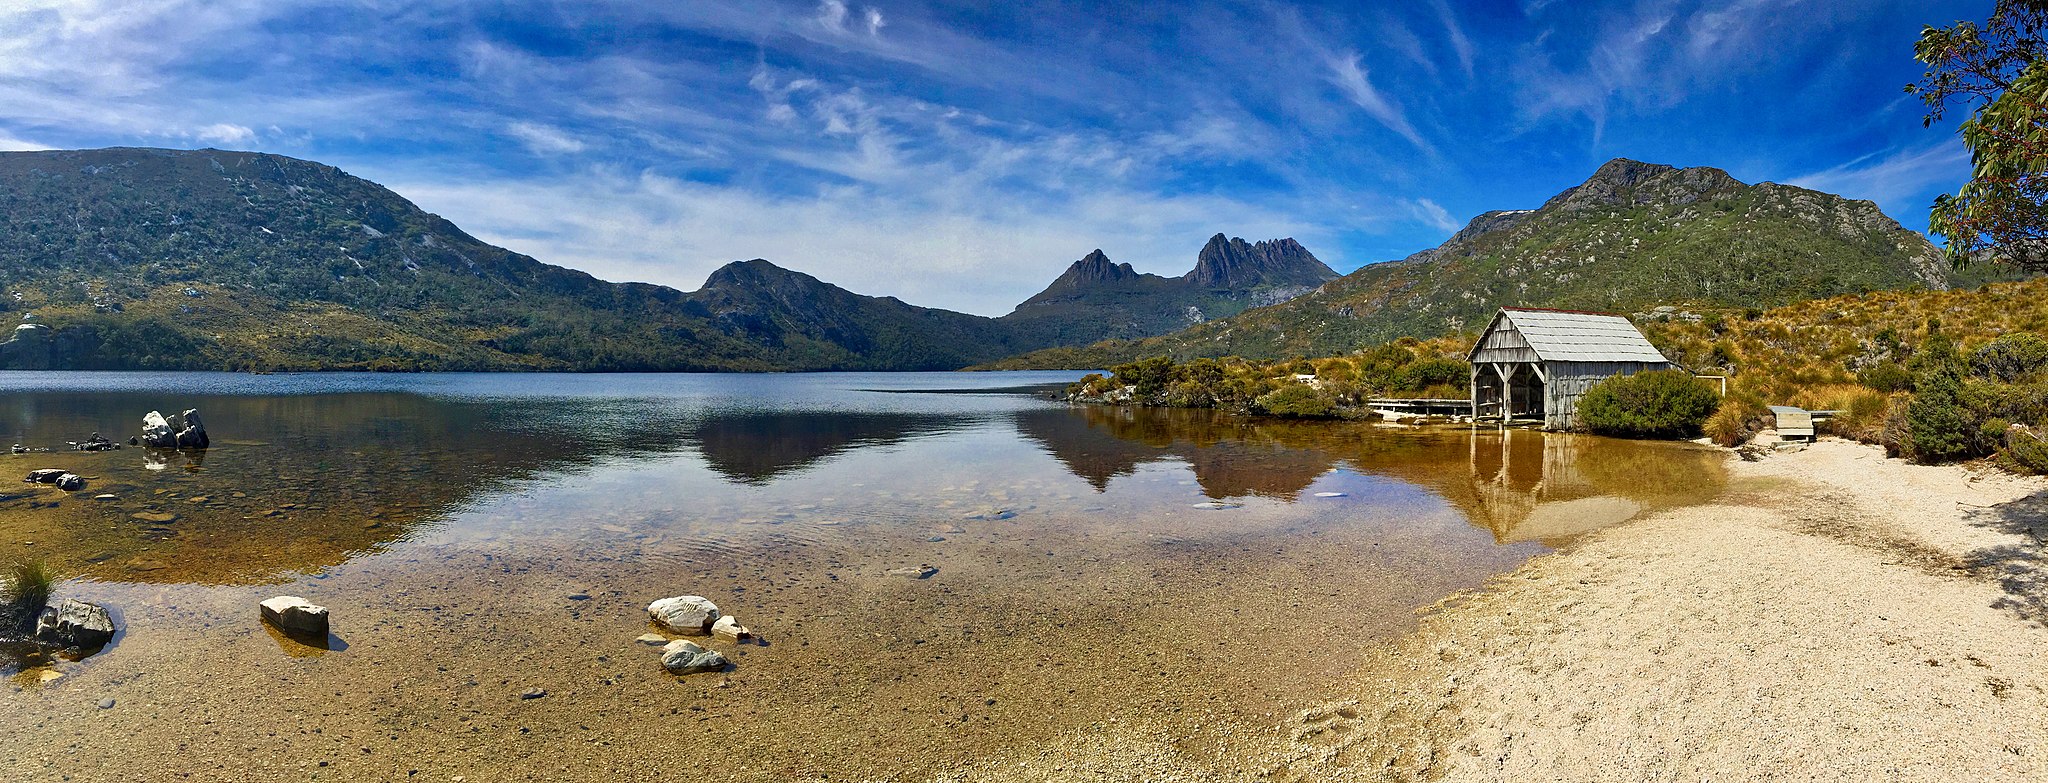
column 1564, row 336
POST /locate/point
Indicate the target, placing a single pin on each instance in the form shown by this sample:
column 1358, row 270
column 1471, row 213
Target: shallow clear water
column 479, row 534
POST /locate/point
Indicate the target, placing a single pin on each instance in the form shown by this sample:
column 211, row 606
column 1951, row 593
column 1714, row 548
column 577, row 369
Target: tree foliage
column 1999, row 71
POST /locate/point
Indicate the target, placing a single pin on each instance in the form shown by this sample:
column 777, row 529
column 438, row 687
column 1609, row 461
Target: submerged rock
column 653, row 639
column 683, row 656
column 915, row 572
column 70, row 482
column 729, row 628
column 184, row 431
column 45, row 476
column 75, row 624
column 96, row 443
column 684, row 613
column 293, row 614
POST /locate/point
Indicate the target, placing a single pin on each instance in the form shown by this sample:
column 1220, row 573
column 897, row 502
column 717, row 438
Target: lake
column 1183, row 579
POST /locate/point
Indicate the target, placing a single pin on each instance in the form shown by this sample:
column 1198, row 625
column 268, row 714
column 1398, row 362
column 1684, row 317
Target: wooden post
column 1475, row 394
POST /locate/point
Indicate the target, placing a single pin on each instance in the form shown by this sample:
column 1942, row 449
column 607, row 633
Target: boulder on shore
column 296, row 615
column 729, row 628
column 684, row 614
column 70, row 482
column 45, row 476
column 75, row 624
column 183, row 431
column 683, row 656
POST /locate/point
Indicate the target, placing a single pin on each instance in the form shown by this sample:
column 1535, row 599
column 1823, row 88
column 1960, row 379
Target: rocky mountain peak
column 1231, row 262
column 1625, row 182
column 754, row 274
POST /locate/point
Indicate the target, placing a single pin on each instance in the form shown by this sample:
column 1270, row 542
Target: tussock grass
column 28, row 587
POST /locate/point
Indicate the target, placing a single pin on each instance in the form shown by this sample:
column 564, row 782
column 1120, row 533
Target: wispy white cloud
column 1895, row 176
column 1460, row 44
column 543, row 139
column 1351, row 78
column 1432, row 214
column 9, row 143
column 225, row 133
column 982, row 251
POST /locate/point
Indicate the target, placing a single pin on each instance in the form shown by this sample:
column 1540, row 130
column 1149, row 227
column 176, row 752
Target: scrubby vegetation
column 1933, row 376
column 1300, row 388
column 1659, row 404
column 24, row 594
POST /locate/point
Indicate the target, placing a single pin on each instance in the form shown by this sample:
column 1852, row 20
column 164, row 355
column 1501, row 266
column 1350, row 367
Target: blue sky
column 962, row 155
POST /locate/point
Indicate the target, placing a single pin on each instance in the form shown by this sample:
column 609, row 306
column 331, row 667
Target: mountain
column 206, row 259
column 1631, row 237
column 1097, row 299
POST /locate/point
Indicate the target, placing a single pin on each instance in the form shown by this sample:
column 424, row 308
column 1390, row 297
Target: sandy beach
column 1835, row 616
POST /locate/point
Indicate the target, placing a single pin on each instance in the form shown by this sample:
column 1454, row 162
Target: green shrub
column 2011, row 358
column 1654, row 404
column 1432, row 373
column 1298, row 400
column 2025, row 451
column 1886, row 377
column 1938, row 426
column 1150, row 376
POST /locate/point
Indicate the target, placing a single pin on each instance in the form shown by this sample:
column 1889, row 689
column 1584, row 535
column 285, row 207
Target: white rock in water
column 1330, row 494
column 684, row 613
column 156, row 431
column 729, row 628
column 1215, row 505
column 297, row 615
column 683, row 656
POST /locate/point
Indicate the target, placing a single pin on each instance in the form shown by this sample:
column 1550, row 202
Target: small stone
column 683, row 656
column 1215, row 505
column 1330, row 495
column 159, row 517
column 49, row 675
column 684, row 613
column 915, row 572
column 935, row 539
column 729, row 628
column 296, row 615
column 652, row 638
column 579, row 596
column 532, row 693
column 106, row 497
column 106, row 704
column 70, row 482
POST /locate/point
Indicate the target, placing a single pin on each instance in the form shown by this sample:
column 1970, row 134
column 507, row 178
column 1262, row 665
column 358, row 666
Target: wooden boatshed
column 1534, row 364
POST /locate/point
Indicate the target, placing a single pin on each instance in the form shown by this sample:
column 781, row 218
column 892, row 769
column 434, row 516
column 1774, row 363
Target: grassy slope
column 1633, row 237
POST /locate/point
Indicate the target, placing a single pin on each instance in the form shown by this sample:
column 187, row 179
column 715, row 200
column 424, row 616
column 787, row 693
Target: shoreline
column 1834, row 615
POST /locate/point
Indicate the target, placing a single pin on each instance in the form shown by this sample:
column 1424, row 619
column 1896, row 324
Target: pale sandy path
column 1836, row 616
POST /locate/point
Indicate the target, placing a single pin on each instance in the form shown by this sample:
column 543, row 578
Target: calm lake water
column 1185, row 576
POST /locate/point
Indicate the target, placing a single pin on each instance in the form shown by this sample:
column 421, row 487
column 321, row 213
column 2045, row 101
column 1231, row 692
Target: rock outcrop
column 184, row 431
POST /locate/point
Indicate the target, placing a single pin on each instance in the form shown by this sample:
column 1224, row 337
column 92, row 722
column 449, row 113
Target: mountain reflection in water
column 300, row 482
